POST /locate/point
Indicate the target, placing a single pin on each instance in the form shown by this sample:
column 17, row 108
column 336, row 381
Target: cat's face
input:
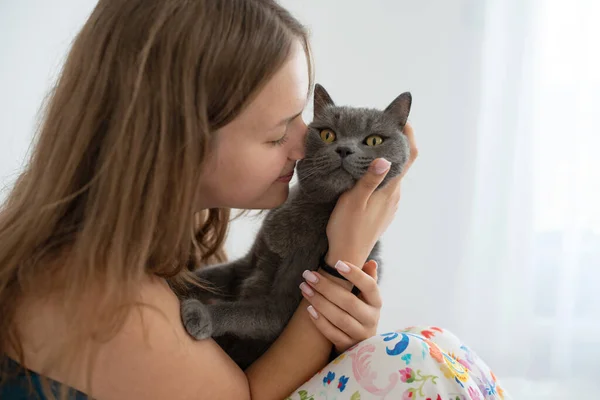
column 343, row 141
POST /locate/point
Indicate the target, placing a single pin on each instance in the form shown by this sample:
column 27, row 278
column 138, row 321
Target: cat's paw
column 196, row 319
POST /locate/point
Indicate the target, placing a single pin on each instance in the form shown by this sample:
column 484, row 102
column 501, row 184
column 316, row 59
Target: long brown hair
column 111, row 186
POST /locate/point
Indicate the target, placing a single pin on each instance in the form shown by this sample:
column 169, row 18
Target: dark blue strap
column 19, row 383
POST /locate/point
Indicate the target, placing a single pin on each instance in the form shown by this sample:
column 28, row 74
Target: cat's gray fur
column 258, row 293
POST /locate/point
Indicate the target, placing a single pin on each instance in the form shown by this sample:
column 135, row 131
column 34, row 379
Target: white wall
column 34, row 37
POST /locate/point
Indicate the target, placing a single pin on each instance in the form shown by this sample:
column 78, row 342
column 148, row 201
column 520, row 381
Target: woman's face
column 253, row 157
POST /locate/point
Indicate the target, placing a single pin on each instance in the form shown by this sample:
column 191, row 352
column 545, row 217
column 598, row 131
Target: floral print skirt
column 426, row 363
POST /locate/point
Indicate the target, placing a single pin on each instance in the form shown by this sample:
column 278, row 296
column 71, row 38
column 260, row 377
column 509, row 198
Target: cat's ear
column 400, row 108
column 322, row 100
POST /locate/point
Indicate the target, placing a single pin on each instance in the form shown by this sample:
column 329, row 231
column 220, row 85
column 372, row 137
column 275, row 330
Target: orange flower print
column 427, row 334
column 500, row 392
column 434, row 351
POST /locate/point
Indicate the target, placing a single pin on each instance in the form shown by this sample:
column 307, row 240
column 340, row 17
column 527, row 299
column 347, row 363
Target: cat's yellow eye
column 374, row 140
column 327, row 135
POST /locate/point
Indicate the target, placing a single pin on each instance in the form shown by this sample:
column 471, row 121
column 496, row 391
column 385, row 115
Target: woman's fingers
column 365, row 283
column 338, row 317
column 342, row 317
column 370, row 268
column 343, row 301
column 340, row 340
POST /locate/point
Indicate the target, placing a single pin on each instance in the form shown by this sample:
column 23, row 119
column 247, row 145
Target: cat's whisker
column 322, row 160
column 318, row 164
column 310, row 174
column 316, row 167
column 307, row 177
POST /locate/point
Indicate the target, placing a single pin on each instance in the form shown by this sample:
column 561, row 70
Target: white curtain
column 529, row 294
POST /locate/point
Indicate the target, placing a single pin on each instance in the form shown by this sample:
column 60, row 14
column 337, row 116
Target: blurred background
column 498, row 233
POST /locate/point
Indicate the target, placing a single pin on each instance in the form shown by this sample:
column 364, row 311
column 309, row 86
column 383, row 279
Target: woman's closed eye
column 281, row 141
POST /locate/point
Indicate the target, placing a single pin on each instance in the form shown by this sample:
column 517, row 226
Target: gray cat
column 258, row 293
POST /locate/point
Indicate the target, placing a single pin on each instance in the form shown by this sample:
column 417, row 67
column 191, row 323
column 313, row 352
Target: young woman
column 168, row 113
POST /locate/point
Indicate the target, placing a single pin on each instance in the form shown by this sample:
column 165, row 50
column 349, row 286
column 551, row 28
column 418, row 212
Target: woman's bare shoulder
column 154, row 358
column 151, row 357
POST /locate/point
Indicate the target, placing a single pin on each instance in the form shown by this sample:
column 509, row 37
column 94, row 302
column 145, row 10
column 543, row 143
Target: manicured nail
column 306, row 289
column 312, row 312
column 309, row 276
column 342, row 267
column 380, row 166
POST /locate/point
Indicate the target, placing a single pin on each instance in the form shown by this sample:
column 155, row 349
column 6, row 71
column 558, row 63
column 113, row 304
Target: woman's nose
column 297, row 151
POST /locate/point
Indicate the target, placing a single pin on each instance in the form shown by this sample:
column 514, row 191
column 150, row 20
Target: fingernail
column 380, row 166
column 342, row 267
column 309, row 276
column 312, row 312
column 306, row 289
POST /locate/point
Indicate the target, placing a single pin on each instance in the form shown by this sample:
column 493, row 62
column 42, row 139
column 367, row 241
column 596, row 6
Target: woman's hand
column 342, row 317
column 362, row 214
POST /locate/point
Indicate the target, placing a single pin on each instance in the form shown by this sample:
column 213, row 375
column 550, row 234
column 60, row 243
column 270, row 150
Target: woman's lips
column 286, row 178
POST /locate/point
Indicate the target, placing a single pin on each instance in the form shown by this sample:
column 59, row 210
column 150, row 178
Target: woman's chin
column 272, row 199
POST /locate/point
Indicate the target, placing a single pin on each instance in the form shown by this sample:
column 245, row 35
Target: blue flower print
column 330, row 377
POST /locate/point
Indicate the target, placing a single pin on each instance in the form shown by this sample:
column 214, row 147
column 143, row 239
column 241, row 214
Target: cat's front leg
column 197, row 318
column 253, row 319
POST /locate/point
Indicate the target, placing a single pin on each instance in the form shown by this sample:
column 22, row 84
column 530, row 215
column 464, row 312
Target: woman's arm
column 299, row 352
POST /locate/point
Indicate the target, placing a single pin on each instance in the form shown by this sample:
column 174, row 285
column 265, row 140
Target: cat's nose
column 344, row 151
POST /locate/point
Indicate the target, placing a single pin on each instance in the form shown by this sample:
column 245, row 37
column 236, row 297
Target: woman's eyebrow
column 287, row 120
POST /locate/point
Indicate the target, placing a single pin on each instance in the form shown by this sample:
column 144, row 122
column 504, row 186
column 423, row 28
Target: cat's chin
column 341, row 180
